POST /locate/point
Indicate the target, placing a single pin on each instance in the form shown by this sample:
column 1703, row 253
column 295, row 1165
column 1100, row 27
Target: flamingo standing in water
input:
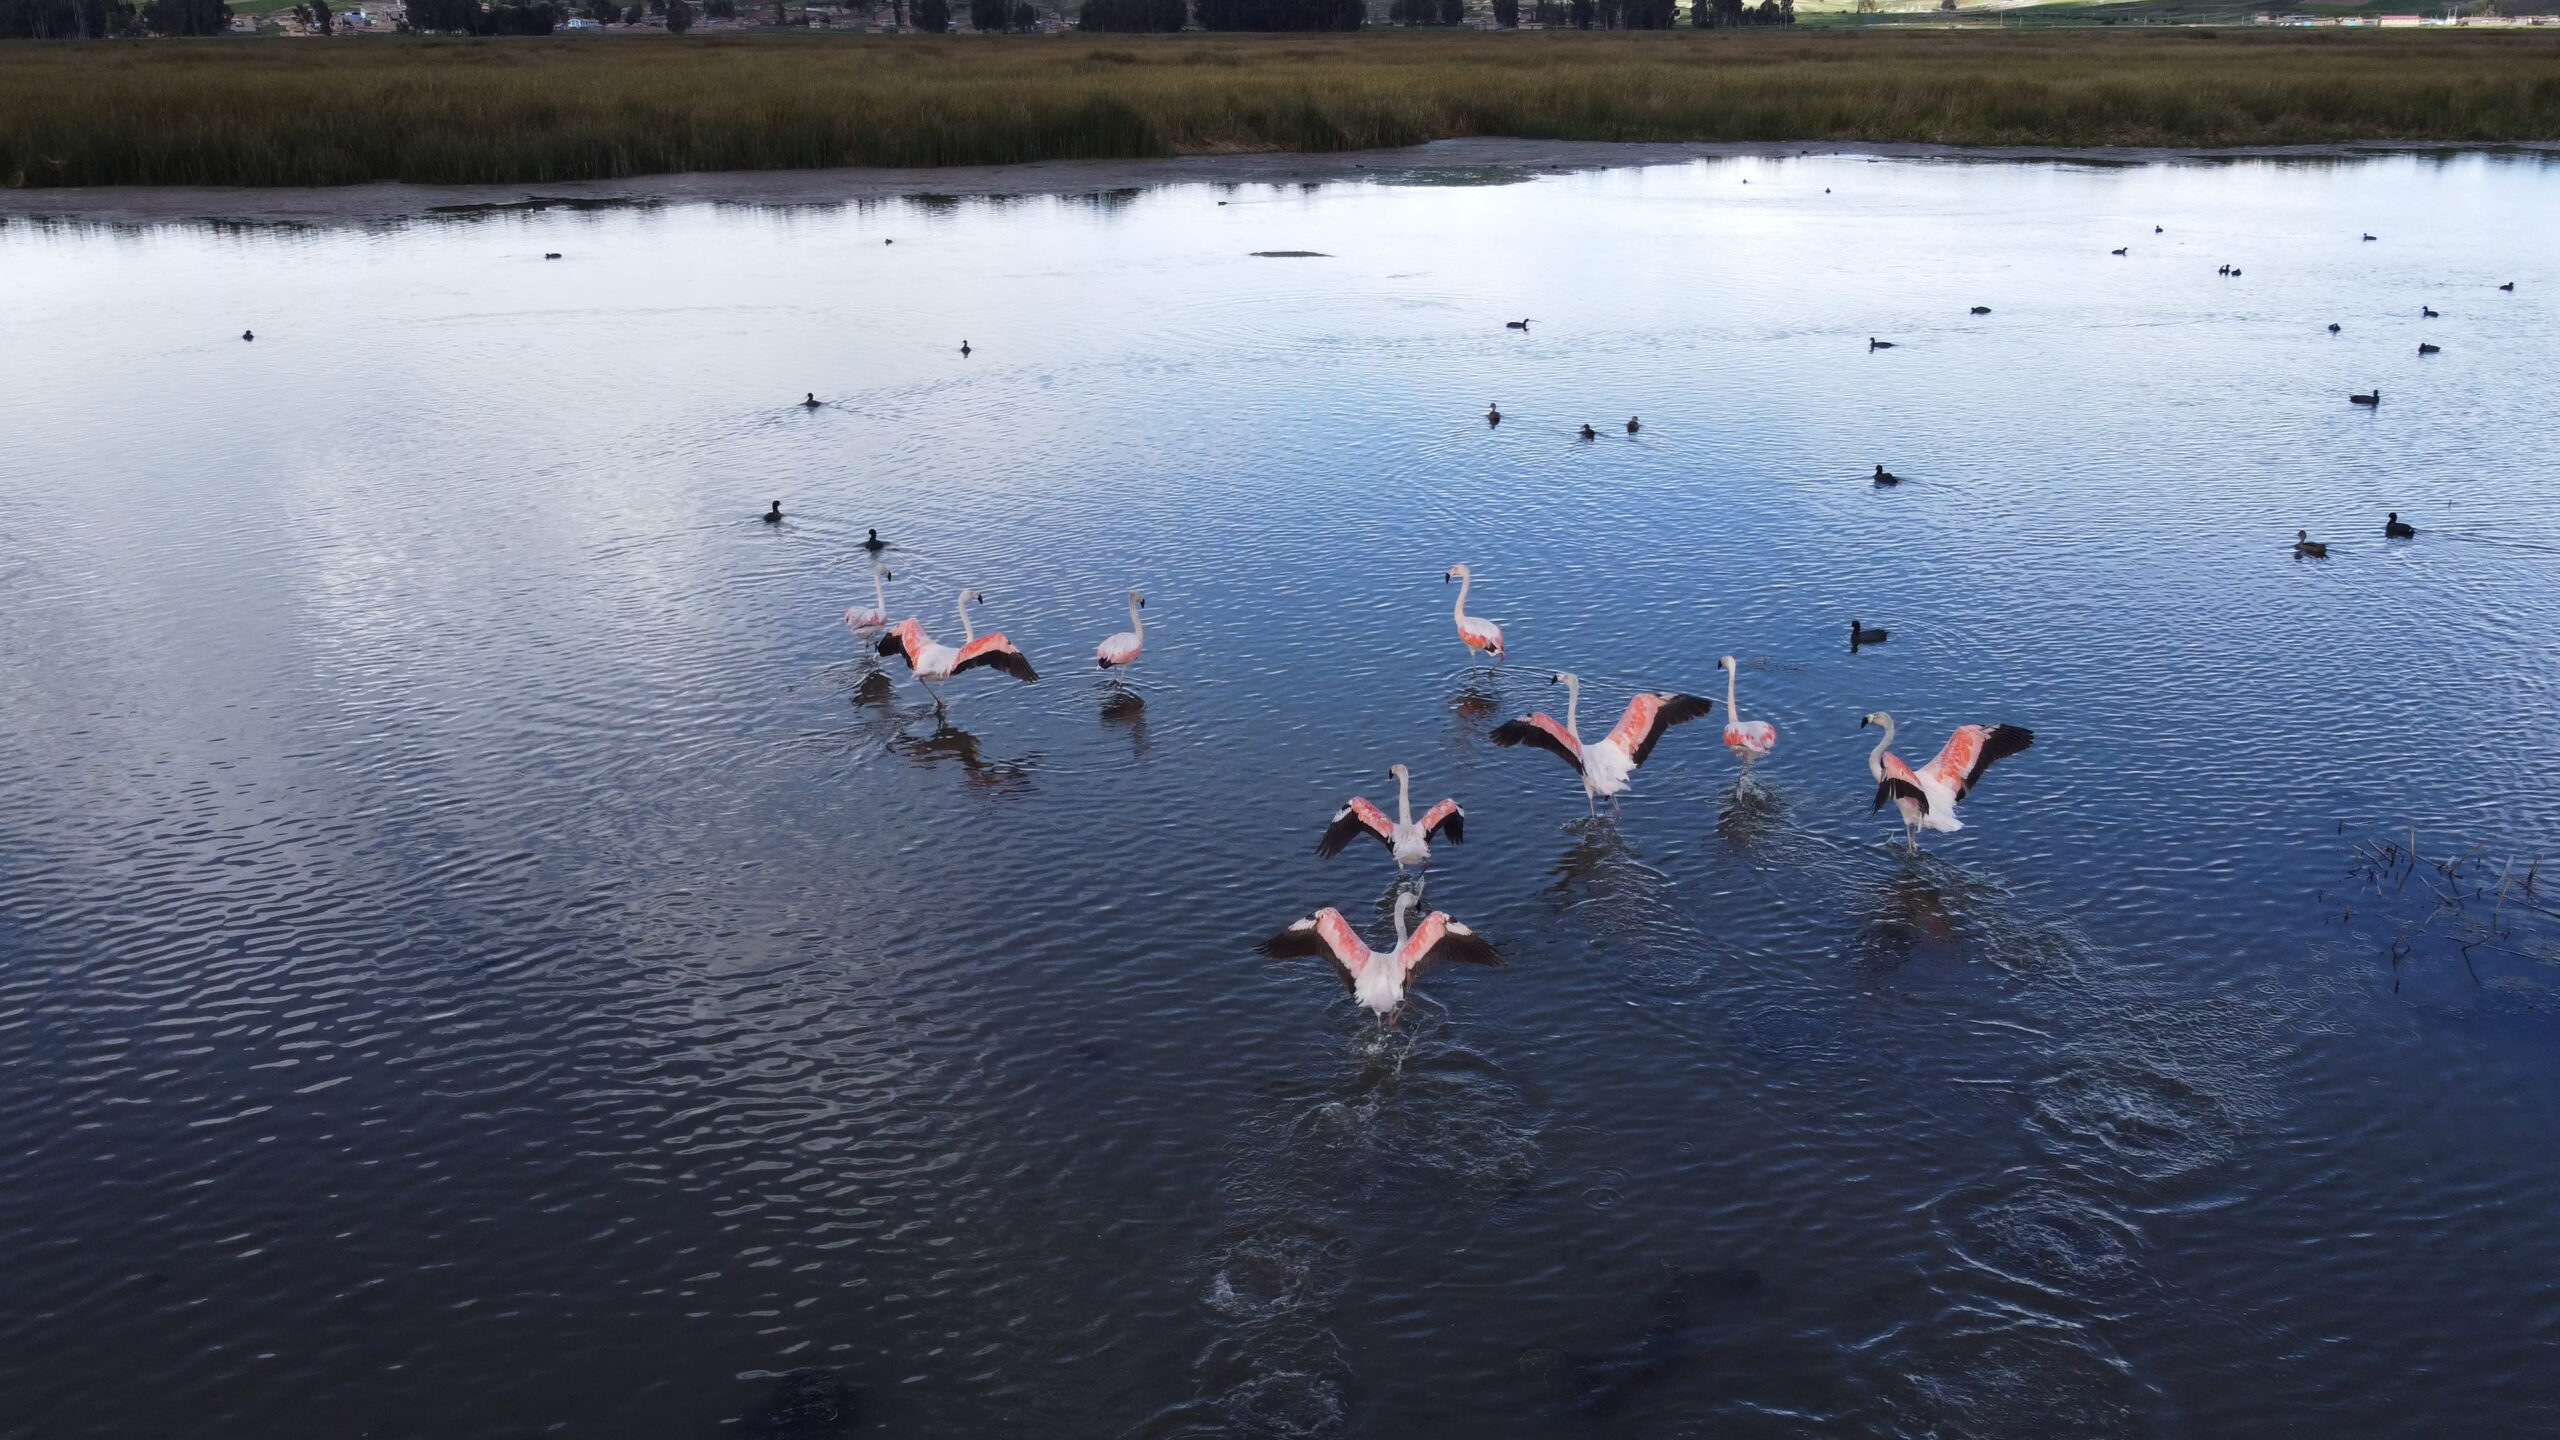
column 1122, row 648
column 1379, row 977
column 1927, row 796
column 1407, row 839
column 931, row 661
column 1482, row 636
column 1749, row 740
column 1604, row 765
column 865, row 622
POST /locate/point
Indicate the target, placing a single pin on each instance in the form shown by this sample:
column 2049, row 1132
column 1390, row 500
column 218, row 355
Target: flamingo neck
column 879, row 592
column 1875, row 757
column 1137, row 626
column 1572, row 712
column 1404, row 906
column 1465, row 580
column 1404, row 801
column 1732, row 712
column 968, row 632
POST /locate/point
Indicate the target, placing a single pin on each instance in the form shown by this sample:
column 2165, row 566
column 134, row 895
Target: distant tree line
column 1134, row 15
column 993, row 16
column 1434, row 12
column 470, row 17
column 104, row 19
column 1645, row 14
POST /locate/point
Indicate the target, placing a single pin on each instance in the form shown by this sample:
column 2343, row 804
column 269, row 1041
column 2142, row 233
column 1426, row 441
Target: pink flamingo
column 1604, row 765
column 1122, row 648
column 875, row 619
column 1407, row 839
column 1482, row 636
column 931, row 661
column 1380, row 977
column 1927, row 796
column 1749, row 740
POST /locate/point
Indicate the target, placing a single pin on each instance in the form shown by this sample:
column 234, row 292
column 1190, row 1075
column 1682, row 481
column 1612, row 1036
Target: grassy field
column 248, row 112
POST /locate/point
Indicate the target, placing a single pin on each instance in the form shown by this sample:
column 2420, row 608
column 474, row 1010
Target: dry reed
column 270, row 112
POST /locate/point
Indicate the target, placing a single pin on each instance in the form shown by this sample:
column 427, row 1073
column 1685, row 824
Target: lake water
column 487, row 953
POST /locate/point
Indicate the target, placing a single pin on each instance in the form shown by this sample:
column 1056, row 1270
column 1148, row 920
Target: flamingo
column 1604, row 765
column 1749, row 740
column 930, row 661
column 1122, row 648
column 1379, row 977
column 1408, row 840
column 877, row 617
column 1927, row 796
column 1480, row 634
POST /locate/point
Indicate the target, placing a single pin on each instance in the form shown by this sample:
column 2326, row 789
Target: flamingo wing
column 906, row 641
column 1542, row 731
column 1640, row 729
column 1442, row 938
column 1445, row 816
column 1894, row 787
column 1355, row 819
column 1971, row 750
column 1327, row 934
column 1482, row 634
column 995, row 652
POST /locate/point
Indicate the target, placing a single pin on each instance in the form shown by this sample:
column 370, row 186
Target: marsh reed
column 281, row 112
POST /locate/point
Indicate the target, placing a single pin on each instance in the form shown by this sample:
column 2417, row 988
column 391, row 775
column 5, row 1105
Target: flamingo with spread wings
column 1482, row 636
column 1927, row 796
column 1407, row 839
column 1604, row 765
column 931, row 660
column 875, row 619
column 1380, row 977
column 1749, row 740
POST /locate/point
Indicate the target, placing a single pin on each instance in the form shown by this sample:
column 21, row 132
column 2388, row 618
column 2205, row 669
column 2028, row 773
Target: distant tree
column 1648, row 14
column 1583, row 13
column 1506, row 13
column 1026, row 16
column 719, row 9
column 1280, row 14
column 988, row 16
column 187, row 17
column 679, row 17
column 64, row 19
column 633, row 14
column 1133, row 16
column 933, row 17
column 1453, row 12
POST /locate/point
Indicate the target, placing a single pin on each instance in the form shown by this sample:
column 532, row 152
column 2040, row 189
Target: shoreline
column 1481, row 160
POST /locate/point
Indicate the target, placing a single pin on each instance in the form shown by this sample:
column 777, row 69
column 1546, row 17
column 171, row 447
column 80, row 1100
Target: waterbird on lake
column 248, row 334
column 1634, row 425
column 774, row 515
column 1379, row 977
column 2225, row 270
column 1604, row 765
column 1408, row 840
column 2304, row 547
column 1122, row 648
column 2425, row 313
column 550, row 254
column 1749, row 740
column 1482, row 636
column 2396, row 528
column 1875, row 344
column 1927, row 796
column 1981, row 309
column 2156, row 230
column 2235, row 270
column 1515, row 324
column 810, row 401
column 2426, row 349
column 877, row 617
column 929, row 660
column 2120, row 250
column 875, row 544
column 2368, row 237
column 964, row 349
column 2375, row 398
column 1588, row 433
column 2510, row 285
column 1492, row 413
column 1887, row 477
column 2333, row 327
column 1861, row 634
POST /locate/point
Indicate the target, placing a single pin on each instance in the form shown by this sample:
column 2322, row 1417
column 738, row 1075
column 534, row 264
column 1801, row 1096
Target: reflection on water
column 488, row 953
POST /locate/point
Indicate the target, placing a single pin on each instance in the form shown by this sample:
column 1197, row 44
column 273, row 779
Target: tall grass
column 250, row 112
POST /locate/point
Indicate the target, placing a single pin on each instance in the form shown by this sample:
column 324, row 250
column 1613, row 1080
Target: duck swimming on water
column 1887, row 477
column 875, row 544
column 1492, row 413
column 1875, row 344
column 248, row 334
column 1515, row 324
column 810, row 403
column 1634, row 425
column 2374, row 399
column 2308, row 548
column 1590, row 434
column 1861, row 633
column 1981, row 309
column 2426, row 349
column 774, row 515
column 2396, row 528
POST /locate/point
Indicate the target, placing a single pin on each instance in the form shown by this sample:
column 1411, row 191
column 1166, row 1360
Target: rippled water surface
column 483, row 951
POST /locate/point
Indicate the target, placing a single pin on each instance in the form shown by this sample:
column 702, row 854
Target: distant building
column 2400, row 21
